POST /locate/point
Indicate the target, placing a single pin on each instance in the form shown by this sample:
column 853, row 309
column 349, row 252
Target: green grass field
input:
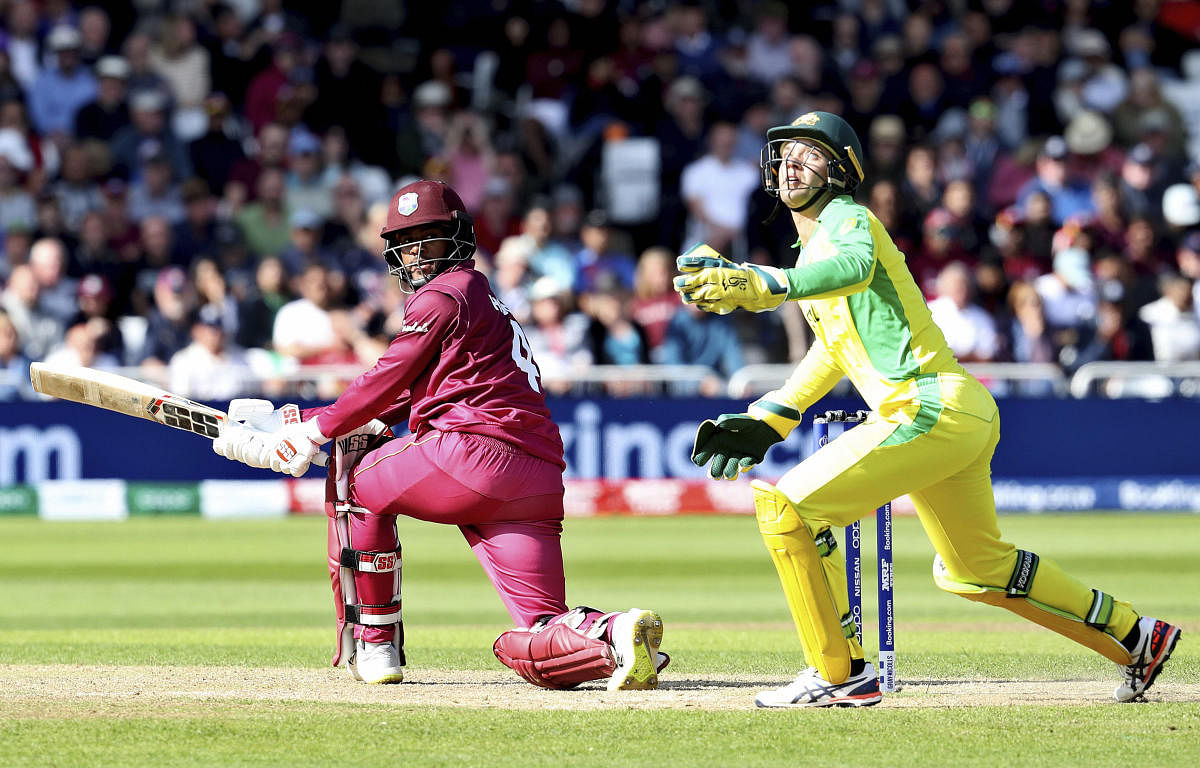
column 224, row 603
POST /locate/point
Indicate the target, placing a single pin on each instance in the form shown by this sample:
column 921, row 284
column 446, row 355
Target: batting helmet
column 829, row 131
column 419, row 204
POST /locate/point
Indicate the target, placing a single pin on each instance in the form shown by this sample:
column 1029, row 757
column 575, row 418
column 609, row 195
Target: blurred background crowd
column 196, row 188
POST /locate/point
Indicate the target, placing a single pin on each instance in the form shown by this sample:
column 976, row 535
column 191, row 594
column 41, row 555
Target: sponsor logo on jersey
column 406, row 204
column 411, row 328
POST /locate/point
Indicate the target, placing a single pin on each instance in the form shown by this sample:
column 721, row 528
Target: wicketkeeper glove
column 734, row 443
column 715, row 284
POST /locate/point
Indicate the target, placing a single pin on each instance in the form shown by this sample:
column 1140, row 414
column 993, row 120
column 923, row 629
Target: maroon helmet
column 420, row 204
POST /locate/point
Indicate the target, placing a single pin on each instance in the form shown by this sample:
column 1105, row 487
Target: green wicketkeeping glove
column 715, row 284
column 734, row 443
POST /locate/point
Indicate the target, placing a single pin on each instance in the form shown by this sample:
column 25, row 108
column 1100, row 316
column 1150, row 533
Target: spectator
column 75, row 190
column 970, row 331
column 767, row 48
column 263, row 93
column 215, row 154
column 1031, row 339
column 558, row 338
column 1116, row 335
column 597, row 257
column 940, row 247
column 61, row 90
column 95, row 311
column 885, row 149
column 716, row 189
column 256, row 313
column 1068, row 293
column 1068, row 197
column 423, row 135
column 199, row 234
column 1104, row 83
column 79, row 348
column 512, row 276
column 213, row 292
column 37, row 330
column 56, row 291
column 1011, row 99
column 680, row 139
column 14, row 366
column 613, row 338
column 303, row 328
column 1174, row 327
column 696, row 337
column 264, row 223
column 370, row 181
column 654, row 299
column 209, row 368
column 471, row 156
column 1187, row 258
column 304, row 183
column 147, row 136
column 1139, row 188
column 1145, row 101
column 16, row 204
column 920, row 192
column 184, row 65
column 168, row 326
column 142, row 77
column 497, row 218
column 21, row 33
column 156, row 193
column 272, row 151
column 108, row 113
column 548, row 256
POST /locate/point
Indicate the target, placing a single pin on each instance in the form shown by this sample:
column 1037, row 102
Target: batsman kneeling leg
column 583, row 645
column 814, row 585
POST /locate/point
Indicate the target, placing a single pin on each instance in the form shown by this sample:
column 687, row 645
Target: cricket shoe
column 376, row 663
column 809, row 689
column 1154, row 647
column 635, row 637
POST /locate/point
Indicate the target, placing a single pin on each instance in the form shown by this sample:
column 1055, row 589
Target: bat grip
column 321, row 459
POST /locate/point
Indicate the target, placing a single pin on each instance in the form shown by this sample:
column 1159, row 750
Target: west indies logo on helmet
column 427, row 232
column 828, row 131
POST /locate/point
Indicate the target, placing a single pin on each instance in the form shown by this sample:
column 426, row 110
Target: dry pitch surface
column 105, row 691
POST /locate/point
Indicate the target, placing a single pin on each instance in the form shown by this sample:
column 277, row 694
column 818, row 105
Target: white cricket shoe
column 1154, row 647
column 636, row 635
column 809, row 689
column 376, row 663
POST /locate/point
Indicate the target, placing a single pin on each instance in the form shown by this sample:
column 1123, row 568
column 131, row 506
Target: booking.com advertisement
column 632, row 456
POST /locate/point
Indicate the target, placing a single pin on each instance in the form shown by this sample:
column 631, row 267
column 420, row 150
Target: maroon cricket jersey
column 460, row 363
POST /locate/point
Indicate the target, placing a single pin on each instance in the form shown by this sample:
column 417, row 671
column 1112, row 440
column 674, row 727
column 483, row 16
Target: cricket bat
column 102, row 389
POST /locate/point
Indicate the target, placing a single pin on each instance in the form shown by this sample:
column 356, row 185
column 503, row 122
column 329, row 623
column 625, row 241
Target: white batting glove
column 239, row 443
column 293, row 447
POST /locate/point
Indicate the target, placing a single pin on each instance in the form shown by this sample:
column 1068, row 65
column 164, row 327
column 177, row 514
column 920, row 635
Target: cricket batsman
column 931, row 435
column 483, row 455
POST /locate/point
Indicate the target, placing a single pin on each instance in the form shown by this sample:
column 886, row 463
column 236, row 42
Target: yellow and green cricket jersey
column 871, row 324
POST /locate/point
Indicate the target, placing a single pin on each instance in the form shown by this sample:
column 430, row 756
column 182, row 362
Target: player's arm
column 848, row 269
column 735, row 442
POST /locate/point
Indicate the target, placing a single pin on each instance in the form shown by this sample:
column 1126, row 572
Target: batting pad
column 1077, row 628
column 808, row 594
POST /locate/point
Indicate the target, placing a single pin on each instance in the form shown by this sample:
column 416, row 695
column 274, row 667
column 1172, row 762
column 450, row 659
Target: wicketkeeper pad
column 1085, row 630
column 824, row 633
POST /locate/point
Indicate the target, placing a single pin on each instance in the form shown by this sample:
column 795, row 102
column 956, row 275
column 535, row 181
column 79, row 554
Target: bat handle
column 321, row 459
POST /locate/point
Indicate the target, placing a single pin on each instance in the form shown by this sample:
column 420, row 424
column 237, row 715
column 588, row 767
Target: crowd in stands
column 196, row 188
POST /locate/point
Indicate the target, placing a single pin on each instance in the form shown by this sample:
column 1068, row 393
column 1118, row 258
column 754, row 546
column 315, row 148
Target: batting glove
column 294, row 446
column 715, row 284
column 734, row 443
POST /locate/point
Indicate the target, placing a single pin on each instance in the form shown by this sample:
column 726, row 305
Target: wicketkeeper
column 484, row 455
column 932, row 433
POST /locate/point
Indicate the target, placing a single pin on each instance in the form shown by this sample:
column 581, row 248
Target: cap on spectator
column 1181, row 205
column 982, row 108
column 94, row 287
column 171, row 278
column 1072, row 71
column 64, row 38
column 149, row 100
column 195, row 190
column 210, row 315
column 114, row 187
column 864, row 69
column 112, row 66
column 939, row 220
column 15, row 150
column 1008, row 64
column 431, row 93
column 1055, row 148
column 1072, row 265
column 887, row 46
column 566, row 194
column 1110, row 291
column 546, row 287
column 1141, row 154
column 887, row 128
column 686, row 87
column 1089, row 43
column 952, row 126
column 596, row 218
column 1088, row 133
column 304, row 218
column 1191, row 242
column 303, row 143
column 1154, row 121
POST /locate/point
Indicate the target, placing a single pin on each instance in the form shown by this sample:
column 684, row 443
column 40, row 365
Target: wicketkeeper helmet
column 833, row 134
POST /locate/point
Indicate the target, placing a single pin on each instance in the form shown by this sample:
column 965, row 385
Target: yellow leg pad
column 808, row 595
column 1065, row 624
